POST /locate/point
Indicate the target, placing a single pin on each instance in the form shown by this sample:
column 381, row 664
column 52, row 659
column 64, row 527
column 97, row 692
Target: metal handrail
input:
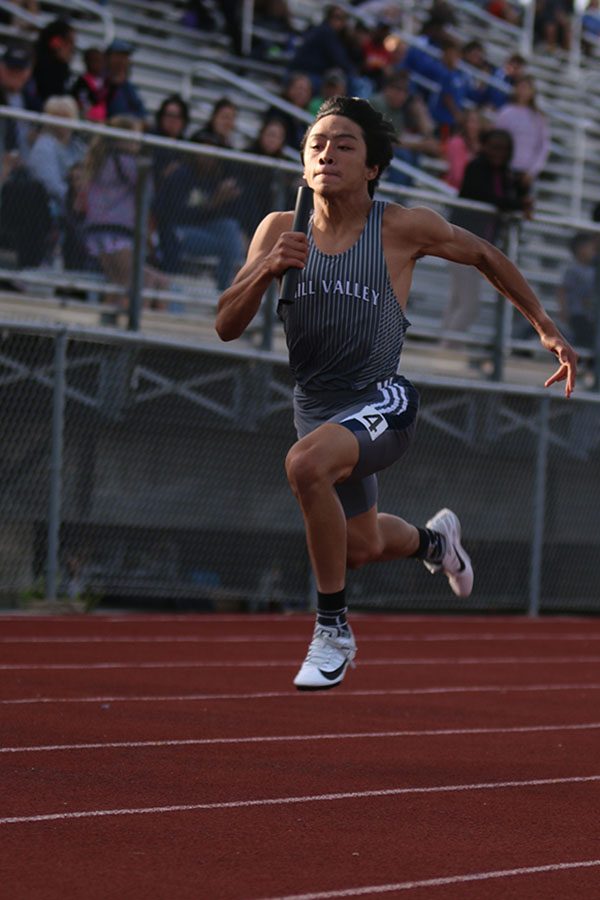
column 272, row 163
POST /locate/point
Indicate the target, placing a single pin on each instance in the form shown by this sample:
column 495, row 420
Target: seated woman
column 194, row 210
column 172, row 120
column 54, row 152
column 111, row 179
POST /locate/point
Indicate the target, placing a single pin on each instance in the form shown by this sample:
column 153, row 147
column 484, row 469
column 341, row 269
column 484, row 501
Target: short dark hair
column 378, row 132
column 498, row 133
column 175, row 100
column 579, row 240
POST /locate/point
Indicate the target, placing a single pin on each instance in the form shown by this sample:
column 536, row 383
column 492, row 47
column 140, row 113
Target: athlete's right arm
column 273, row 249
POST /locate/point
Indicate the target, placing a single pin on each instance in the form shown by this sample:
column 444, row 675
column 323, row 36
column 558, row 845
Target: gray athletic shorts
column 383, row 417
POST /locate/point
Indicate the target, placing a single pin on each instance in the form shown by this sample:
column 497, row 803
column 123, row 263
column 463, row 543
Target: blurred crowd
column 62, row 197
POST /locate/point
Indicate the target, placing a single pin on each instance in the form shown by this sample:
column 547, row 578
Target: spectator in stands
column 334, row 83
column 419, row 59
column 264, row 189
column 90, row 89
column 55, row 150
column 590, row 26
column 220, row 127
column 276, row 32
column 111, row 179
column 199, row 14
column 324, row 47
column 528, row 128
column 193, row 214
column 17, row 90
column 503, row 9
column 441, row 11
column 378, row 55
column 473, row 55
column 172, row 120
column 74, row 249
column 54, row 52
column 577, row 291
column 411, row 120
column 508, row 73
column 553, row 23
column 298, row 91
column 122, row 98
column 462, row 147
column 488, row 178
column 448, row 105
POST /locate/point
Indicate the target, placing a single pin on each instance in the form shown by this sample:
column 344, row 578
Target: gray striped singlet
column 345, row 328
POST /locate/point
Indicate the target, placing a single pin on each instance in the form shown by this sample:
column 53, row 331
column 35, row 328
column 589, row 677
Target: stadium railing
column 181, row 286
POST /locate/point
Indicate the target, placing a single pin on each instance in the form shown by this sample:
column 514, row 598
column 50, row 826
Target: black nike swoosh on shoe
column 463, row 565
column 331, row 676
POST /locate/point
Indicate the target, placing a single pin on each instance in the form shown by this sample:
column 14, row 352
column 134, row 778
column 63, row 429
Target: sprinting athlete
column 353, row 413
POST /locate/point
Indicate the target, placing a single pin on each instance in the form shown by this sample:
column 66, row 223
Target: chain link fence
column 146, row 472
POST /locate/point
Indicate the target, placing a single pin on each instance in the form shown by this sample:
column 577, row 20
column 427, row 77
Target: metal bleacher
column 170, row 56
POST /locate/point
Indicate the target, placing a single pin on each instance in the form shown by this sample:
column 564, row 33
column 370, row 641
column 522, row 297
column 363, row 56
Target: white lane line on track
column 290, row 638
column 441, row 882
column 325, row 695
column 269, row 663
column 207, row 618
column 283, row 738
column 309, row 798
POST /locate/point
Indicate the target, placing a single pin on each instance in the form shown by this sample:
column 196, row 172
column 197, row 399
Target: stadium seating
column 171, row 57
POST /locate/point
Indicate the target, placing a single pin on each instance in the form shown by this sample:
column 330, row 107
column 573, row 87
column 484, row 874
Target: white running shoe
column 456, row 564
column 330, row 653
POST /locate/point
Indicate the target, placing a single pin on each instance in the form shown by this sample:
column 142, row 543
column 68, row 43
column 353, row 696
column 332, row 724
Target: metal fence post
column 142, row 210
column 578, row 169
column 596, row 343
column 278, row 199
column 539, row 508
column 527, row 29
column 56, row 464
column 504, row 309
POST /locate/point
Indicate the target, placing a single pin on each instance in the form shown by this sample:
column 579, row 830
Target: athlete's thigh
column 383, row 426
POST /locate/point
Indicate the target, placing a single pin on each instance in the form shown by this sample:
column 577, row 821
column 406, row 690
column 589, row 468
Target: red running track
column 170, row 757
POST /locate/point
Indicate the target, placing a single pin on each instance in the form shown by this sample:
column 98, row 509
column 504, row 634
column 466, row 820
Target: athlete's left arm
column 434, row 236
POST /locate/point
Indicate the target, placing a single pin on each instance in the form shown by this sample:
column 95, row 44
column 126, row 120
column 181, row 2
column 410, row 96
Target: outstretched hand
column 567, row 371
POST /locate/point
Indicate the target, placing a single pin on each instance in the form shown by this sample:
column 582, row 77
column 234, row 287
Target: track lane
column 249, row 853
column 298, row 714
column 49, row 781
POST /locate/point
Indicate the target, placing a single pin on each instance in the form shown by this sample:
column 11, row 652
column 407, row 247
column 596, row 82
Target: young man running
column 353, row 413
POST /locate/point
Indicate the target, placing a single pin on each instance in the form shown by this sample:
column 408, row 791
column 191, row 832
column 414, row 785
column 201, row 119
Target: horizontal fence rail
column 146, row 471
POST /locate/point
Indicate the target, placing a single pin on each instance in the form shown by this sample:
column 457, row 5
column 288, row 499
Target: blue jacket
column 124, row 100
column 322, row 49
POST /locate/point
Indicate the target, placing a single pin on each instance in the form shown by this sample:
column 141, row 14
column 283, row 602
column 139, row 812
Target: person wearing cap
column 17, row 90
column 123, row 98
column 54, row 52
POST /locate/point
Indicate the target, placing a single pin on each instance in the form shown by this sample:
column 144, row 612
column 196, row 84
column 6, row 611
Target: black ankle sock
column 332, row 609
column 432, row 545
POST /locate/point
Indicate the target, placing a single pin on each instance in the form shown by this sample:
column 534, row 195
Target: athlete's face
column 335, row 157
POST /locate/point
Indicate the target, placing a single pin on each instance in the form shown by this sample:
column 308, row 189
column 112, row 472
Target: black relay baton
column 302, row 210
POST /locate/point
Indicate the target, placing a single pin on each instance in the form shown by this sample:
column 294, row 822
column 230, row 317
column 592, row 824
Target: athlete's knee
column 304, row 468
column 363, row 549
